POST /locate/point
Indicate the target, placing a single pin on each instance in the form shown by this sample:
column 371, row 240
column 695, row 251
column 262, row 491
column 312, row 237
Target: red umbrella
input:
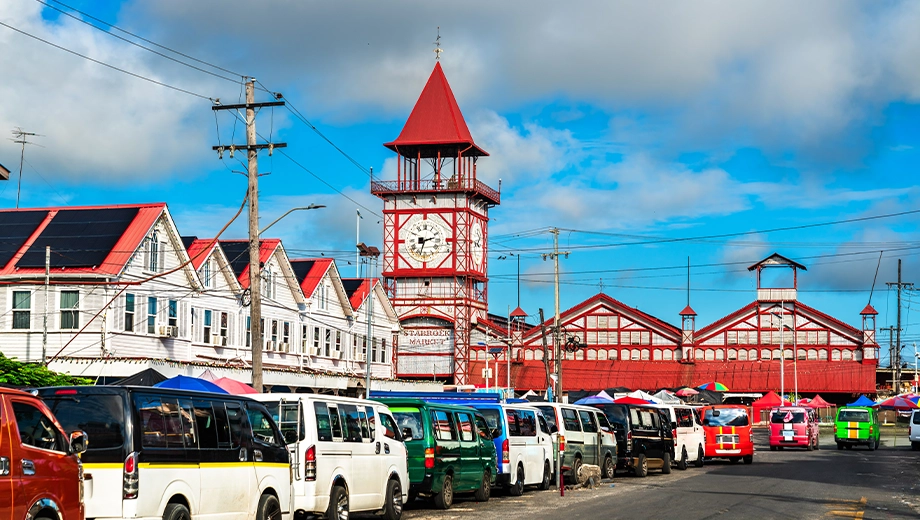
column 234, row 387
column 898, row 403
column 686, row 392
column 630, row 400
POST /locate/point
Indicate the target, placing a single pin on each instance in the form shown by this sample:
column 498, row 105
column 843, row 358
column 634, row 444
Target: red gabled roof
column 116, row 258
column 603, row 298
column 199, row 250
column 239, row 257
column 704, row 332
column 436, row 119
column 518, row 313
column 356, row 290
column 869, row 309
column 309, row 272
column 688, row 311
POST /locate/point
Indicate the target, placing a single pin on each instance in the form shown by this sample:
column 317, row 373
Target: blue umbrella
column 593, row 399
column 862, row 401
column 190, row 383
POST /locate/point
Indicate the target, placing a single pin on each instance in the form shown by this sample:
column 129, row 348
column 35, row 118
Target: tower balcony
column 462, row 185
column 776, row 295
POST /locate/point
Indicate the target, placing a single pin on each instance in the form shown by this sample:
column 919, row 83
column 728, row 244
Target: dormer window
column 207, row 276
column 155, row 253
column 268, row 283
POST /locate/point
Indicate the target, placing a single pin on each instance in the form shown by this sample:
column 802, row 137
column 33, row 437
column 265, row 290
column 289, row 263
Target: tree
column 16, row 373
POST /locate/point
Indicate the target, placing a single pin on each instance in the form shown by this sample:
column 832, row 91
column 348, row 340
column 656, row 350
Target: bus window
column 262, row 429
column 371, row 423
column 186, row 417
column 207, row 427
column 323, row 425
column 352, row 422
column 222, row 426
column 336, row 422
column 235, row 417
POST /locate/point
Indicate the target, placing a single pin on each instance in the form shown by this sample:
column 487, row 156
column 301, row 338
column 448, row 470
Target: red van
column 793, row 426
column 41, row 477
column 728, row 432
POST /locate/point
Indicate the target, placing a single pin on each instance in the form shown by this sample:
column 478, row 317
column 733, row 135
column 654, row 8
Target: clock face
column 478, row 246
column 426, row 241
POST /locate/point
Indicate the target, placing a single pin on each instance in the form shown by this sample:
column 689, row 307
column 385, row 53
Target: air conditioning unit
column 270, row 345
column 217, row 339
column 361, row 357
column 164, row 331
column 284, row 347
column 316, row 351
column 338, row 355
column 171, row 331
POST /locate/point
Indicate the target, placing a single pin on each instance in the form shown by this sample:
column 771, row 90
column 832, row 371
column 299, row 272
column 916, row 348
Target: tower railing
column 435, row 186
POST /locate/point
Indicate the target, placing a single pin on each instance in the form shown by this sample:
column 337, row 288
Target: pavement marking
column 853, row 508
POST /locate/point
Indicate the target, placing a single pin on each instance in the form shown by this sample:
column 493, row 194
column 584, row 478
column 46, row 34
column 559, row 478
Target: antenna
column 871, row 291
column 19, row 137
column 437, row 46
column 688, row 281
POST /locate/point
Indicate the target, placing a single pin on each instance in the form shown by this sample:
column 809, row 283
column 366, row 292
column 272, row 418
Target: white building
column 125, row 292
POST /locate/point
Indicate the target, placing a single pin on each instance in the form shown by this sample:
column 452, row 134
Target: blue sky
column 618, row 122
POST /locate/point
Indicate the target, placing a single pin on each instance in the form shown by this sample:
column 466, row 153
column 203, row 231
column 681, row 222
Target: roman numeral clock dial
column 426, row 241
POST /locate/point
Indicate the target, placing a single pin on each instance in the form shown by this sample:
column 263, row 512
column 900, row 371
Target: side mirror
column 494, row 433
column 78, row 441
column 407, row 434
column 553, row 429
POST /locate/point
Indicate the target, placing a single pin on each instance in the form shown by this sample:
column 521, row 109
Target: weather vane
column 437, row 46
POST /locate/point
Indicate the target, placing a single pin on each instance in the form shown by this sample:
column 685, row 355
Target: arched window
column 580, row 355
column 592, row 355
column 602, row 354
column 765, row 354
column 835, row 355
column 528, row 355
column 776, row 353
column 668, row 355
column 752, row 354
column 801, row 353
column 720, row 354
column 710, row 355
column 699, row 354
column 612, row 353
column 742, row 355
column 847, row 355
column 538, row 355
column 857, row 355
column 644, row 354
column 624, row 355
column 812, row 355
column 656, row 355
column 634, row 354
column 822, row 355
column 733, row 354
column 788, row 353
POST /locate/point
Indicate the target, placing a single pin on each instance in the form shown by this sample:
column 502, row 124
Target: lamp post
column 371, row 253
column 288, row 212
column 782, row 347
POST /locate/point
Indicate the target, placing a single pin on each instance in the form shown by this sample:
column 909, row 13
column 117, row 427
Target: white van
column 689, row 437
column 584, row 436
column 915, row 430
column 347, row 455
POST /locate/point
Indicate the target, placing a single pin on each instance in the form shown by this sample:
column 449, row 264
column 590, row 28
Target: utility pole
column 255, row 269
column 545, row 348
column 370, row 253
column 890, row 331
column 896, row 359
column 45, row 314
column 19, row 137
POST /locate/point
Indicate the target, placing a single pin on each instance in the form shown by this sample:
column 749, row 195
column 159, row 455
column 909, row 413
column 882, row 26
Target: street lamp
column 255, row 296
column 288, row 212
column 371, row 253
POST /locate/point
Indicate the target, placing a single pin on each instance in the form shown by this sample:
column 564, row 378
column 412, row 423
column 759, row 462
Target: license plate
column 727, row 439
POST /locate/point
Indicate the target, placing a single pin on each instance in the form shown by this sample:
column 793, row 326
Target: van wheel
column 666, row 464
column 517, row 489
column 871, row 446
column 269, row 508
column 748, row 459
column 817, row 443
column 682, row 463
column 734, row 460
column 641, row 469
column 839, row 446
column 485, row 490
column 915, row 446
column 338, row 504
column 699, row 457
column 176, row 512
column 392, row 508
column 576, row 466
column 445, row 498
column 548, row 477
column 772, row 448
column 610, row 469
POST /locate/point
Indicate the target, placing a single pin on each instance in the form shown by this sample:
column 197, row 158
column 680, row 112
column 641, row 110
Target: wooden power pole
column 255, row 269
column 896, row 352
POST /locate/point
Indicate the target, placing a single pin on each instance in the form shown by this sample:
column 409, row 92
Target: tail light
column 835, row 428
column 871, row 431
column 131, row 480
column 629, row 440
column 506, row 456
column 562, row 443
column 429, row 458
column 674, row 433
column 309, row 464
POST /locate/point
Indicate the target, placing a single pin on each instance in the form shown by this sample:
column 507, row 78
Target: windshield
column 725, row 417
column 409, row 419
column 101, row 416
column 853, row 416
column 493, row 421
column 549, row 413
column 783, row 416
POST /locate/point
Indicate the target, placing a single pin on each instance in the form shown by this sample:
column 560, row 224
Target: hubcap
column 397, row 500
column 341, row 507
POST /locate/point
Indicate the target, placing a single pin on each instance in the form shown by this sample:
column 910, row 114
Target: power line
column 104, row 64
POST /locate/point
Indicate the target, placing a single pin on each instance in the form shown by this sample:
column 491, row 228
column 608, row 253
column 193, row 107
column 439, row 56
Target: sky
column 649, row 134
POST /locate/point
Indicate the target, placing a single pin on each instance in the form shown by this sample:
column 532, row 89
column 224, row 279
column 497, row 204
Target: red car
column 728, row 432
column 40, row 473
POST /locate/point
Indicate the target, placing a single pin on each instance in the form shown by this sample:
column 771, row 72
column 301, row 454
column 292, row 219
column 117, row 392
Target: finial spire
column 437, row 46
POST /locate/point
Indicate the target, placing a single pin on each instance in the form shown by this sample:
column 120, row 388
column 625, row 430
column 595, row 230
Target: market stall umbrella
column 630, row 400
column 819, row 402
column 207, row 375
column 232, row 386
column 898, row 403
column 594, row 399
column 714, row 385
column 146, row 377
column 863, row 401
column 667, row 397
column 190, row 383
column 686, row 392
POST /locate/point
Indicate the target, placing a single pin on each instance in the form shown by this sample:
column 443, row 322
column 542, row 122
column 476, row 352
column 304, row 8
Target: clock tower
column 435, row 231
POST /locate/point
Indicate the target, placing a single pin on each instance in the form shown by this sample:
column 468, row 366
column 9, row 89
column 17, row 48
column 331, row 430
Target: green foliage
column 15, row 373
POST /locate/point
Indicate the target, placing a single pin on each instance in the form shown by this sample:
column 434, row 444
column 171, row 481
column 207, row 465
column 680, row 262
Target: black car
column 644, row 435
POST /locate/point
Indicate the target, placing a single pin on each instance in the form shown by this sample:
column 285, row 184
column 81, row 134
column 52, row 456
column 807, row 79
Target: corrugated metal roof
column 310, row 272
column 238, row 254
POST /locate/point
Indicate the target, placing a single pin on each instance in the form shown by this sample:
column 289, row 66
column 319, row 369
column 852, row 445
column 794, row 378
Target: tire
column 575, row 467
column 811, row 446
column 176, row 512
column 485, row 489
column 269, row 508
column 699, row 457
column 517, row 489
column 641, row 469
column 338, row 504
column 682, row 463
column 393, row 507
column 878, row 443
column 413, row 496
column 666, row 464
column 871, row 446
column 915, row 446
column 850, row 446
column 817, row 443
column 748, row 459
column 609, row 469
column 772, row 448
column 445, row 498
column 734, row 460
column 547, row 477
column 839, row 446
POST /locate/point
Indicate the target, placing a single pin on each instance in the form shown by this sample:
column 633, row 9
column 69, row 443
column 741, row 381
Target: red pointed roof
column 518, row 313
column 199, row 250
column 436, row 121
column 310, row 272
column 238, row 252
column 356, row 289
column 869, row 310
column 688, row 311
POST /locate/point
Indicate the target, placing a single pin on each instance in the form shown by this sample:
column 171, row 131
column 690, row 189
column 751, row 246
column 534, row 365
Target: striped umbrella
column 898, row 403
column 714, row 386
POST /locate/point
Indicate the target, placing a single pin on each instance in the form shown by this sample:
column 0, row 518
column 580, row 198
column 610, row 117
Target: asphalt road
column 785, row 484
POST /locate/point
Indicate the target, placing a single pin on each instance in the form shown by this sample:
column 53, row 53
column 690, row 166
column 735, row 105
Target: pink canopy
column 234, row 387
column 818, row 402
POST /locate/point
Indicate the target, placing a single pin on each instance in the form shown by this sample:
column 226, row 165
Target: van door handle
column 4, row 466
column 28, row 467
column 257, row 455
column 243, row 456
column 386, row 448
column 377, row 450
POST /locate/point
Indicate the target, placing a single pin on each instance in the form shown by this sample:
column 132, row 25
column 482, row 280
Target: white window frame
column 14, row 311
column 75, row 310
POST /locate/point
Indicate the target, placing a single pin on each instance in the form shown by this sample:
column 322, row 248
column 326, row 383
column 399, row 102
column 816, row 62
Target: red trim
column 311, row 281
column 195, row 251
